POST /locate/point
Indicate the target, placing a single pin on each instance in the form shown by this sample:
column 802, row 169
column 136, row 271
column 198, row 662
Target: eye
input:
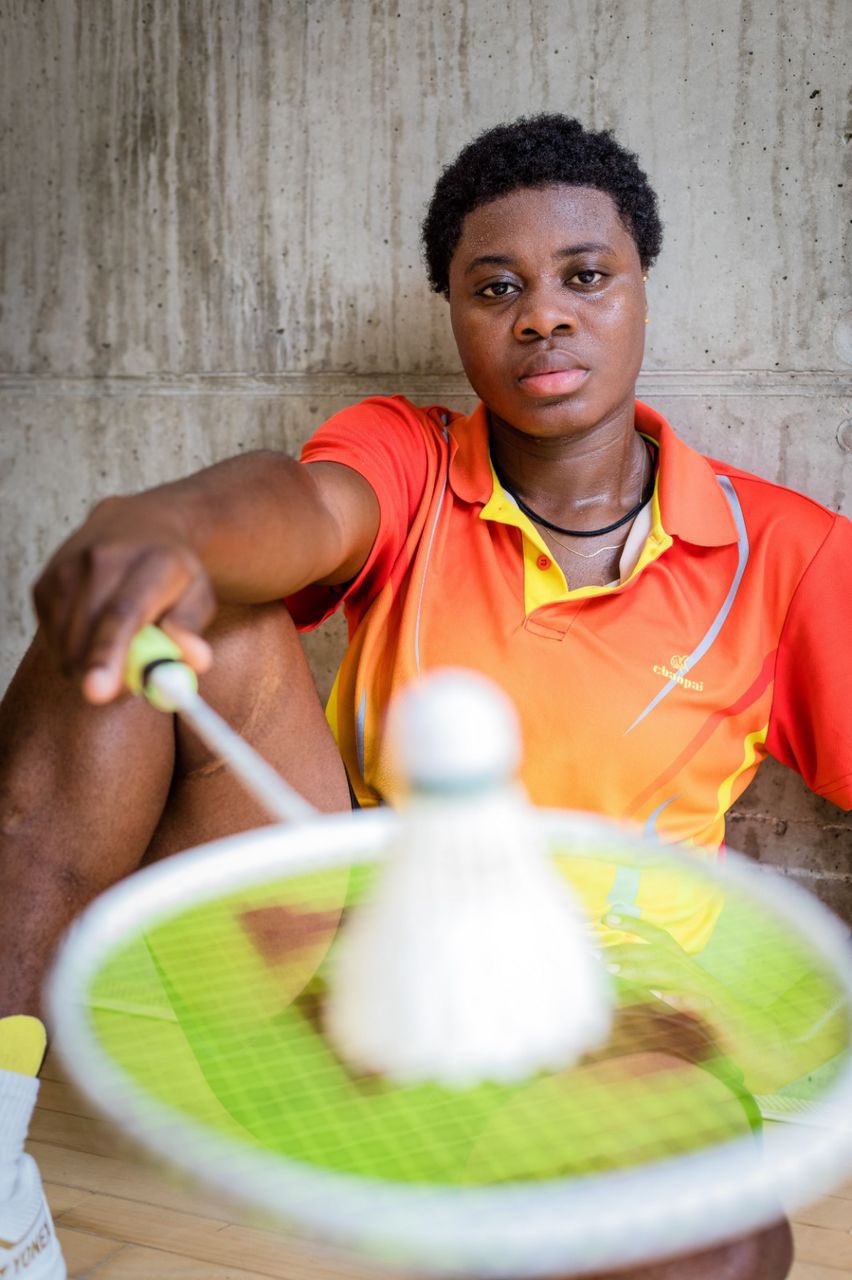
column 587, row 278
column 499, row 289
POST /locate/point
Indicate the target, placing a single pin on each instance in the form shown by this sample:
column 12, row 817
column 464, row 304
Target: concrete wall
column 210, row 242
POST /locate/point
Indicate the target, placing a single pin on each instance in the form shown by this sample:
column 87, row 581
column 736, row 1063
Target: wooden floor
column 118, row 1219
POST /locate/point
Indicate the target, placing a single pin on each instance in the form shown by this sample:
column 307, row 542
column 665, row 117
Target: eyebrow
column 570, row 251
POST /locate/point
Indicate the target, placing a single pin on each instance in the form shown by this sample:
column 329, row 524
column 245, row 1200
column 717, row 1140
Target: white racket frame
column 602, row 1221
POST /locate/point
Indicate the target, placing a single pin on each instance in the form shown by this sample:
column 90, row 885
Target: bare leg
column 260, row 684
column 768, row 1255
column 88, row 793
column 764, row 1255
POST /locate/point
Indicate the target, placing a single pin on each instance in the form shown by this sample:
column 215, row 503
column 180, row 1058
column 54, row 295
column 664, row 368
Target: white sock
column 17, row 1100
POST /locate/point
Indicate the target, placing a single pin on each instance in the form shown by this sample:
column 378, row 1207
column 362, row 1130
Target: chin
column 552, row 417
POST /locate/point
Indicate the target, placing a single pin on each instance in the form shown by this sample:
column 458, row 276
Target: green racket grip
column 149, row 649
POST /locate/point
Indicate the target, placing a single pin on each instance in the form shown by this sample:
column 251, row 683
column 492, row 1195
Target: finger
column 196, row 651
column 72, row 592
column 148, row 593
column 53, row 596
column 69, row 591
column 647, row 952
column 640, row 928
column 637, row 969
column 100, row 578
column 631, row 963
column 103, row 676
column 101, row 685
column 184, row 623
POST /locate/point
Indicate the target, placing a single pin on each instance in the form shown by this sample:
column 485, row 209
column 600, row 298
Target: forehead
column 554, row 216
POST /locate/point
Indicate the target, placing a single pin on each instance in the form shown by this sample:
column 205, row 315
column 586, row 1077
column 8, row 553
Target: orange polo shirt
column 653, row 700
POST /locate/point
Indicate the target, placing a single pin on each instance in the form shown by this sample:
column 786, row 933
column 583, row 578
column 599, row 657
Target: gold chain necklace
column 615, row 546
column 644, row 497
column 589, row 555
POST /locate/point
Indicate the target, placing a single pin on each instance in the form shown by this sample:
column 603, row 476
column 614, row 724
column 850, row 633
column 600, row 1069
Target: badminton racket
column 187, row 1002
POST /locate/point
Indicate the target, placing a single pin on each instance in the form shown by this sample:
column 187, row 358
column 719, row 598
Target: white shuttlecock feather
column 470, row 961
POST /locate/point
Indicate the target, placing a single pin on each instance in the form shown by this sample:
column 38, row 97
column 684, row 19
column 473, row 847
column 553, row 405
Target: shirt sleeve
column 388, row 441
column 810, row 727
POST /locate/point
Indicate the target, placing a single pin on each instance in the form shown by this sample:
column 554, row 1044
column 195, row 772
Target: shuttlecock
column 470, row 960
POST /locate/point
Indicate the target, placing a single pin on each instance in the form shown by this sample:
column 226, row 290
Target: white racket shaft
column 155, row 669
column 267, row 786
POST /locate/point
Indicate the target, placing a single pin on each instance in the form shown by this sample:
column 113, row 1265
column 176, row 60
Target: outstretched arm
column 253, row 529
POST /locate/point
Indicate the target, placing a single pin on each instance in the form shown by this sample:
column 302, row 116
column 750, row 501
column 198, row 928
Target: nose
column 545, row 311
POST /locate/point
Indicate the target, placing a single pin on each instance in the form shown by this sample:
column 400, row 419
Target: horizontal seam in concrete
column 750, row 815
column 803, row 873
column 341, row 385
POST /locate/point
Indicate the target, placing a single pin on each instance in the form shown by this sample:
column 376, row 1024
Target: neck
column 577, row 482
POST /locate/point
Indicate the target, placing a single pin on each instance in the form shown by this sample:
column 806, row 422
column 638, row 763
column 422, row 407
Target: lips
column 552, row 374
column 560, row 383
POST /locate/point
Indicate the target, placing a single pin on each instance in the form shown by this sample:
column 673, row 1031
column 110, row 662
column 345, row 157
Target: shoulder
column 396, row 445
column 773, row 508
column 383, row 418
column 712, row 502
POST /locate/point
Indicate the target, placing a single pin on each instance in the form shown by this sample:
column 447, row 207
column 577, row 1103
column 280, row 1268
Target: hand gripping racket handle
column 155, row 669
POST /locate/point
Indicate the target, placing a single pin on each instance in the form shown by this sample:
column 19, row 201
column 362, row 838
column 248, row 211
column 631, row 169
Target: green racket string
column 217, row 1013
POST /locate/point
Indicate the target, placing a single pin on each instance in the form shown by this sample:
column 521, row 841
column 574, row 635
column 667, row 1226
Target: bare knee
column 764, row 1255
column 82, row 790
column 66, row 766
column 257, row 663
column 260, row 684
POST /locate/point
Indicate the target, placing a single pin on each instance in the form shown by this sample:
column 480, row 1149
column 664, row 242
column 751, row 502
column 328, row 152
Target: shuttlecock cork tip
column 454, row 730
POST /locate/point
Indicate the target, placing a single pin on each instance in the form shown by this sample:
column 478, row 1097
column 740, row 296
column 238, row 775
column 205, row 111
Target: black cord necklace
column 589, row 533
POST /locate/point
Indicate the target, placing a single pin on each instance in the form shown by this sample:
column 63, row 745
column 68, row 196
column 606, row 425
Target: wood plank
column 832, row 1212
column 307, row 1260
column 134, row 1181
column 844, row 1192
column 52, row 1067
column 60, row 1197
column 812, row 1271
column 824, row 1247
column 57, row 1095
column 134, row 1263
column 83, row 1251
column 145, row 1224
column 190, row 1235
column 80, row 1133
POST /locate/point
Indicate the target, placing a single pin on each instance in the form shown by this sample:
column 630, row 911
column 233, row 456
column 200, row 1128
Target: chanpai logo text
column 673, row 671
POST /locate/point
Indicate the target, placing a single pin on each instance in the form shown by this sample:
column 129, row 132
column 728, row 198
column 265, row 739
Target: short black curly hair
column 537, row 151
